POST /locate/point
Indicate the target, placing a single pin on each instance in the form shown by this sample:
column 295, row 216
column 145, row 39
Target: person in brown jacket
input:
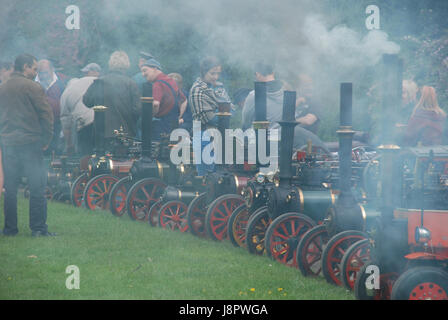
column 26, row 130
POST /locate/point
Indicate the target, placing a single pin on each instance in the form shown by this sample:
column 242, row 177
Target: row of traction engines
column 374, row 220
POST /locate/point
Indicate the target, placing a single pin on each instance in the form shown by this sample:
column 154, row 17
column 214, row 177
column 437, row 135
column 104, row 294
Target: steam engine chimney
column 147, row 104
column 287, row 136
column 260, row 115
column 100, row 127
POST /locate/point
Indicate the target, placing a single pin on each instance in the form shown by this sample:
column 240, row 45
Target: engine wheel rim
column 153, row 215
column 256, row 233
column 78, row 190
column 335, row 255
column 97, row 192
column 428, row 291
column 196, row 216
column 311, row 255
column 239, row 227
column 285, row 238
column 356, row 260
column 118, row 197
column 142, row 197
column 219, row 217
column 173, row 216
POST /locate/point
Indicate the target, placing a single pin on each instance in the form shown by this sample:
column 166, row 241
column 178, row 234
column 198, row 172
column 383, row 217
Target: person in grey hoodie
column 265, row 73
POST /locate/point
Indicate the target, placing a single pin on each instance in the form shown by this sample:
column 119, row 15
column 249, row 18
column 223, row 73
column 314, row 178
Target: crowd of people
column 44, row 112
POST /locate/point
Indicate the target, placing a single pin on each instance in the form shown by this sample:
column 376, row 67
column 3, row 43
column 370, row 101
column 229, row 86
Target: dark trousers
column 86, row 140
column 25, row 161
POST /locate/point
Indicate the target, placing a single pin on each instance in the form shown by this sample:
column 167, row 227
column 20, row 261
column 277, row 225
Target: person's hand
column 181, row 120
column 300, row 100
column 44, row 148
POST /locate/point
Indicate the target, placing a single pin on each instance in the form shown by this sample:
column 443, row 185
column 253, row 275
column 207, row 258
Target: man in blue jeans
column 26, row 130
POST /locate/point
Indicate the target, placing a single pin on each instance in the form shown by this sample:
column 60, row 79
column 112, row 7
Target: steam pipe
column 345, row 134
column 223, row 115
column 100, row 128
column 260, row 115
column 287, row 136
column 147, row 106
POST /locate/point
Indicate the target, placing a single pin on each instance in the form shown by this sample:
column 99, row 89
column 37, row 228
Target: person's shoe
column 43, row 234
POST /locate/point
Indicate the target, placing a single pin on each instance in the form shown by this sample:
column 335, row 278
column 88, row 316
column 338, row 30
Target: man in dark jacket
column 119, row 93
column 26, row 130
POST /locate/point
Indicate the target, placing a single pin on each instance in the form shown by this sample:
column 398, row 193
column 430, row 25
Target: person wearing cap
column 168, row 99
column 138, row 77
column 119, row 93
column 76, row 118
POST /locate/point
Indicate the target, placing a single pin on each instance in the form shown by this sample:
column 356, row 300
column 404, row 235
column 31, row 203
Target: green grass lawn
column 122, row 259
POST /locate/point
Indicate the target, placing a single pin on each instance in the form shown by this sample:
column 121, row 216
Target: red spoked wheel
column 173, row 215
column 386, row 282
column 421, row 283
column 353, row 260
column 218, row 214
column 196, row 215
column 117, row 198
column 142, row 196
column 335, row 250
column 257, row 225
column 77, row 189
column 309, row 251
column 284, row 234
column 96, row 192
column 153, row 215
column 236, row 226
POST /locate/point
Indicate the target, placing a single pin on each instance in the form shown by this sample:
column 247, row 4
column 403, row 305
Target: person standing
column 168, row 99
column 26, row 130
column 54, row 87
column 75, row 116
column 6, row 68
column 205, row 95
column 427, row 122
column 119, row 93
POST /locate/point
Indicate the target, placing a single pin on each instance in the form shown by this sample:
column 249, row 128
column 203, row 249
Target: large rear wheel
column 172, row 215
column 218, row 214
column 77, row 189
column 256, row 231
column 284, row 234
column 96, row 192
column 353, row 260
column 142, row 196
column 309, row 251
column 236, row 228
column 117, row 197
column 335, row 250
column 196, row 215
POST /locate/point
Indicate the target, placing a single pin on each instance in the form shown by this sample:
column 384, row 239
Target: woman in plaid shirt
column 204, row 96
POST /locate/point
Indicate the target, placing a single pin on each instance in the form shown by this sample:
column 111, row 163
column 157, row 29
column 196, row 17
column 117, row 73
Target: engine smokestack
column 260, row 115
column 147, row 105
column 100, row 128
column 287, row 136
